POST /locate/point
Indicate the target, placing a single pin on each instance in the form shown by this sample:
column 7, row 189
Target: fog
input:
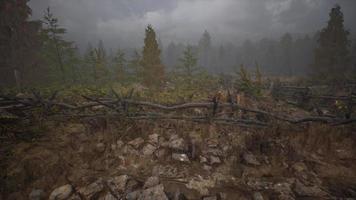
column 121, row 23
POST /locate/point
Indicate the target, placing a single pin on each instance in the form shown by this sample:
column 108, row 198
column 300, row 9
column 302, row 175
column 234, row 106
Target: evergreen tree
column 19, row 42
column 55, row 49
column 100, row 62
column 119, row 65
column 152, row 69
column 188, row 65
column 332, row 62
column 204, row 47
column 286, row 43
column 134, row 64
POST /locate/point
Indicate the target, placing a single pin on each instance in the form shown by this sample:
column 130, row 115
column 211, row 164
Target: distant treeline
column 35, row 52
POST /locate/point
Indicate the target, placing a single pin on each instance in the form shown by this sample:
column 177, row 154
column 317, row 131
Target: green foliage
column 245, row 82
column 96, row 60
column 58, row 53
column 119, row 65
column 152, row 69
column 134, row 66
column 188, row 67
column 286, row 45
column 19, row 43
column 332, row 61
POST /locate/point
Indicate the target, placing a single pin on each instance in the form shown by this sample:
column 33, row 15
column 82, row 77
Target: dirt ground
column 191, row 161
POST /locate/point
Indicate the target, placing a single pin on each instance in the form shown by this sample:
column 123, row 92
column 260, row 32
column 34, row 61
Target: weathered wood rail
column 119, row 107
column 312, row 97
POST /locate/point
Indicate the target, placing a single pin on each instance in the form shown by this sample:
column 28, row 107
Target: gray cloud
column 122, row 22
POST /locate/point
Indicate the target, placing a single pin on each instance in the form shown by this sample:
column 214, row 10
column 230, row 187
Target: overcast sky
column 122, row 22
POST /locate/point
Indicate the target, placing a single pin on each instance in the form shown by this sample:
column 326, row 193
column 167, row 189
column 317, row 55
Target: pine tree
column 55, row 47
column 332, row 62
column 134, row 65
column 119, row 65
column 204, row 48
column 188, row 65
column 19, row 41
column 152, row 69
column 286, row 47
column 100, row 62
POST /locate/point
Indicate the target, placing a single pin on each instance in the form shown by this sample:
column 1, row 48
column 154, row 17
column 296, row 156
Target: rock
column 132, row 185
column 129, row 150
column 74, row 197
column 299, row 167
column 214, row 152
column 308, row 191
column 160, row 153
column 153, row 139
column 62, row 192
column 133, row 195
column 203, row 186
column 97, row 108
column 36, row 194
column 211, row 198
column 118, row 184
column 207, row 167
column 178, row 144
column 212, row 143
column 257, row 196
column 177, row 195
column 136, row 143
column 180, row 157
column 113, row 147
column 250, row 159
column 100, row 147
column 148, row 150
column 119, row 144
column 154, row 193
column 214, row 160
column 151, row 181
column 203, row 159
column 108, row 196
column 283, row 188
column 166, row 171
column 92, row 190
column 285, row 197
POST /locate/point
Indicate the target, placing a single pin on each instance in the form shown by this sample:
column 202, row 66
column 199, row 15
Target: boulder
column 203, row 159
column 153, row 193
column 308, row 191
column 36, row 194
column 153, row 139
column 180, row 157
column 250, row 159
column 151, row 182
column 100, row 147
column 211, row 198
column 118, row 184
column 92, row 190
column 108, row 196
column 119, row 144
column 62, row 192
column 136, row 143
column 161, row 153
column 214, row 160
column 148, row 150
column 177, row 143
column 133, row 195
column 257, row 196
column 132, row 185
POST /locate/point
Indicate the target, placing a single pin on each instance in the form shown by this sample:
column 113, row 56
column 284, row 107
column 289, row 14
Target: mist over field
column 121, row 23
column 177, row 99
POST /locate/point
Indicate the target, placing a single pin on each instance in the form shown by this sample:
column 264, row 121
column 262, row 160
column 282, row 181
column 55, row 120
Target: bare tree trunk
column 17, row 77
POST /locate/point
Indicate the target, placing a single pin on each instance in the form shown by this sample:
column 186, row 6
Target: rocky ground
column 182, row 160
